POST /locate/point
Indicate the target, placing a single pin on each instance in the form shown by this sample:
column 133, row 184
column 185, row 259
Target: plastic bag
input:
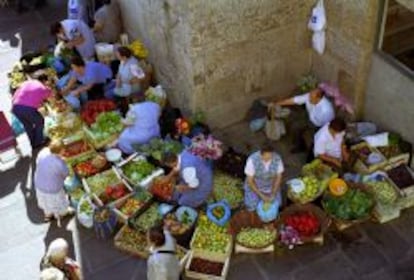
column 257, row 124
column 226, row 216
column 317, row 21
column 318, row 41
column 377, row 140
column 267, row 212
column 84, row 219
column 275, row 128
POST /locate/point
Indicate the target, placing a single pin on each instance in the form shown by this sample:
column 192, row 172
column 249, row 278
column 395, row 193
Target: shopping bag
column 274, row 128
column 317, row 21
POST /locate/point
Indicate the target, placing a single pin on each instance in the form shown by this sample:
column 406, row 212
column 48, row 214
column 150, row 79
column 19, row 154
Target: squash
column 338, row 187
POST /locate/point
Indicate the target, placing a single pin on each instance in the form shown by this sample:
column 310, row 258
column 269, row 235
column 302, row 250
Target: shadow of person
column 60, row 232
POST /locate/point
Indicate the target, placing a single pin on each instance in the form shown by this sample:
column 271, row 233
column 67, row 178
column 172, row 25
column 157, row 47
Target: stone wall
column 350, row 40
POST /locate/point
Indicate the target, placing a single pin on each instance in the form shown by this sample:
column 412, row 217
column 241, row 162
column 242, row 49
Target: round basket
column 296, row 200
column 246, row 219
column 351, row 185
column 323, row 218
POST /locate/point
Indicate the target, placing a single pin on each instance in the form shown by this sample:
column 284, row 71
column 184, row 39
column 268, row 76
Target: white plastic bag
column 317, row 21
column 377, row 140
column 318, row 41
column 274, row 127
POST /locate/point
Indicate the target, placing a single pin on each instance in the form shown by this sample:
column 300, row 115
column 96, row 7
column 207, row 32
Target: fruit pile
column 162, row 189
column 256, row 237
column 136, row 171
column 321, row 171
column 132, row 240
column 228, row 188
column 92, row 109
column 311, row 190
column 206, row 267
column 401, row 176
column 135, row 203
column 75, row 148
column 85, row 207
column 210, row 237
column 305, row 223
column 113, row 192
column 148, row 219
column 138, row 49
column 353, row 205
column 99, row 182
column 106, row 124
column 157, row 147
column 383, row 191
column 90, row 167
column 177, row 227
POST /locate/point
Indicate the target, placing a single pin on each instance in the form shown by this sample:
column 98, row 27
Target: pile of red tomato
column 305, row 223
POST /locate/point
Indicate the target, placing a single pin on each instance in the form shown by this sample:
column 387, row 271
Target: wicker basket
column 343, row 224
column 323, row 218
column 296, row 200
column 246, row 219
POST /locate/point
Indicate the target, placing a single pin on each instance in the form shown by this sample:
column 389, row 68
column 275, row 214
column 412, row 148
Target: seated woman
column 142, row 126
column 264, row 171
column 195, row 178
column 329, row 143
column 57, row 257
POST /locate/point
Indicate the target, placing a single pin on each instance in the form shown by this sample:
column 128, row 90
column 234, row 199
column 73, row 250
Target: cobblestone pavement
column 369, row 251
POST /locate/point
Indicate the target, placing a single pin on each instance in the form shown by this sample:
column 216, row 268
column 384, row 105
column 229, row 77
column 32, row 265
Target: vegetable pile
column 305, row 223
column 206, row 147
column 206, row 267
column 178, row 226
column 256, row 237
column 92, row 109
column 132, row 240
column 138, row 170
column 76, row 148
column 135, row 203
column 353, row 205
column 157, row 147
column 98, row 183
column 210, row 237
column 383, row 190
column 148, row 219
column 85, row 207
column 106, row 124
column 401, row 176
column 311, row 191
column 113, row 192
column 228, row 188
column 321, row 171
column 162, row 189
column 90, row 167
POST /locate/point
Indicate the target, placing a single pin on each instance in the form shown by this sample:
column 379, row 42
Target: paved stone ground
column 369, row 251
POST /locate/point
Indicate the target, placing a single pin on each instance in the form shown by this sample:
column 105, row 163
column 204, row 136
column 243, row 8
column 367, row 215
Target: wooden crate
column 407, row 191
column 385, row 213
column 80, row 157
column 198, row 275
column 213, row 256
column 406, row 202
column 99, row 144
column 361, row 167
column 117, row 204
column 85, row 182
column 123, row 247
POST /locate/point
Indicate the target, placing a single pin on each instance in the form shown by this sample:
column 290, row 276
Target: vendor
column 108, row 24
column 195, row 178
column 76, row 35
column 142, row 126
column 329, row 143
column 129, row 75
column 263, row 171
column 94, row 78
column 28, row 98
column 320, row 111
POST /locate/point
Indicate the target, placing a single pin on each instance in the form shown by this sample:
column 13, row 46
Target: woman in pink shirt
column 26, row 102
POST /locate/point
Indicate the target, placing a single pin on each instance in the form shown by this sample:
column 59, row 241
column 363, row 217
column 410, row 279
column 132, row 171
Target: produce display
column 137, row 170
column 138, row 49
column 132, row 240
column 162, row 189
column 353, row 205
column 364, row 153
column 106, row 124
column 134, row 203
column 157, row 147
column 177, row 227
column 113, row 192
column 210, row 237
column 148, row 219
column 305, row 223
column 91, row 167
column 256, row 237
column 16, row 78
column 76, row 148
column 228, row 188
column 206, row 147
column 383, row 191
column 92, row 109
column 311, row 190
column 401, row 176
column 321, row 171
column 338, row 187
column 59, row 105
column 98, row 183
column 102, row 215
column 206, row 267
column 76, row 194
column 61, row 131
column 85, row 207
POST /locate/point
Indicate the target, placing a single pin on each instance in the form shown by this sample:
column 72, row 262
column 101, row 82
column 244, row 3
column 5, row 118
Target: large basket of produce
column 201, row 267
column 69, row 126
column 228, row 188
column 138, row 171
column 305, row 190
column 147, row 218
column 132, row 241
column 77, row 151
column 382, row 188
column 250, row 232
column 322, row 172
column 181, row 224
column 211, row 240
column 308, row 220
column 157, row 147
column 403, row 178
column 355, row 206
column 131, row 204
column 91, row 166
column 104, row 130
column 367, row 159
column 92, row 109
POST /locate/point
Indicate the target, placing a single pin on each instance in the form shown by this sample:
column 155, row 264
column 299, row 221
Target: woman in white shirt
column 329, row 143
column 163, row 264
column 320, row 112
column 263, row 171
